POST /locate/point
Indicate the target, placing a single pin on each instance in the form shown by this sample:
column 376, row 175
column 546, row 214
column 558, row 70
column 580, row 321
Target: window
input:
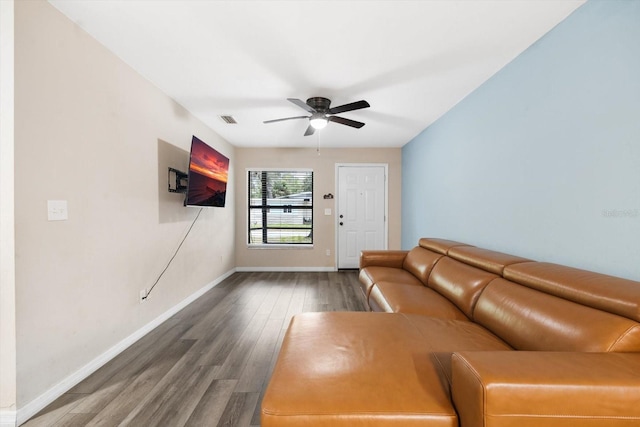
column 280, row 207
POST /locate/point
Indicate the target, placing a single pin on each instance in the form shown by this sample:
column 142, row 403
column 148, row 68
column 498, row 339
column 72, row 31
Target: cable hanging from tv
column 205, row 184
column 174, row 254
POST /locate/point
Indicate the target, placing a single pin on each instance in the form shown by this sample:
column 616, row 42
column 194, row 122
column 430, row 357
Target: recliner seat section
column 393, row 265
column 457, row 271
column 390, row 268
column 461, row 335
column 389, row 297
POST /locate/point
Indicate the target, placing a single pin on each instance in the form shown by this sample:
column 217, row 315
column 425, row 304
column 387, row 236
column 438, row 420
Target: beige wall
column 323, row 166
column 90, row 130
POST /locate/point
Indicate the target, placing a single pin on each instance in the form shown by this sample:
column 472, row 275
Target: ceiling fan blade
column 288, row 118
column 348, row 107
column 310, row 131
column 344, row 121
column 300, row 103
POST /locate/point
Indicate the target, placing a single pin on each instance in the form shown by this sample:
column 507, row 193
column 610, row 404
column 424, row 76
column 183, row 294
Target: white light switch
column 327, row 211
column 57, row 210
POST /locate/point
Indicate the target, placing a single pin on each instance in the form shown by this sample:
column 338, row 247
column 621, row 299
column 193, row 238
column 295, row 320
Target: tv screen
column 208, row 172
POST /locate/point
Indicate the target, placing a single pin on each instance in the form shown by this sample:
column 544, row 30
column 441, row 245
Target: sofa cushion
column 600, row 291
column 394, row 298
column 369, row 276
column 443, row 337
column 488, row 260
column 347, row 368
column 459, row 283
column 420, row 261
column 532, row 320
column 383, row 369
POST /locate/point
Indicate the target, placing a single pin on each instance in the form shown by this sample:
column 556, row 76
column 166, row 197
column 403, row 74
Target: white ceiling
column 411, row 60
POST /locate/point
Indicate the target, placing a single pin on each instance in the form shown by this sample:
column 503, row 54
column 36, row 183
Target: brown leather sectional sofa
column 461, row 335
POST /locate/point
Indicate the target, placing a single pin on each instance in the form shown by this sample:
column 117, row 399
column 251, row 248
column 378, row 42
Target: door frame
column 336, row 206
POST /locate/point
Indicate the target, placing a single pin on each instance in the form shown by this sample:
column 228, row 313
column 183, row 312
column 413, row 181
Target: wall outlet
column 142, row 296
column 328, row 252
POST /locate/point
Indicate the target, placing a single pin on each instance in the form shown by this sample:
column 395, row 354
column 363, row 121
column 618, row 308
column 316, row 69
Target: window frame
column 266, row 208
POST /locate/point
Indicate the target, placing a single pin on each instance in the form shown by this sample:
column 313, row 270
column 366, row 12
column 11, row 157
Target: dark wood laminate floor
column 208, row 365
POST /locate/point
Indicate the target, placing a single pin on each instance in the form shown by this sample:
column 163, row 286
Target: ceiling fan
column 321, row 114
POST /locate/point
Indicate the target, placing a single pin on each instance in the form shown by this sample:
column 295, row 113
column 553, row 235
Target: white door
column 361, row 212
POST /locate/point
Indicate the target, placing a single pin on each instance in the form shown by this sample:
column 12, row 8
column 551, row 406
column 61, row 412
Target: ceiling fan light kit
column 321, row 114
column 318, row 122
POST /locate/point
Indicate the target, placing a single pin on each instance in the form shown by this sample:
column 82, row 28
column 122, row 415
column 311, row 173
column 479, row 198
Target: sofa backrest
column 420, row 261
column 606, row 293
column 492, row 261
column 440, row 246
column 532, row 305
column 529, row 319
column 460, row 283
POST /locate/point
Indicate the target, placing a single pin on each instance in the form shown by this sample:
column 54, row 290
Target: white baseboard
column 41, row 402
column 284, row 269
column 8, row 418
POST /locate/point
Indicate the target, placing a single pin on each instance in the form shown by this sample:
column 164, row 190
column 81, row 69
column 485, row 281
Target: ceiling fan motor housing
column 319, row 103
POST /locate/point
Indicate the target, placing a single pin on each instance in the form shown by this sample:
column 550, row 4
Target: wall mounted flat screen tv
column 208, row 173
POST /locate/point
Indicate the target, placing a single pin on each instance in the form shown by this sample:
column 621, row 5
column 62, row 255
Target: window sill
column 283, row 246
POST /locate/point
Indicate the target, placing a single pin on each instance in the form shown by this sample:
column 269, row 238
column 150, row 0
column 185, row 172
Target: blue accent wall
column 543, row 160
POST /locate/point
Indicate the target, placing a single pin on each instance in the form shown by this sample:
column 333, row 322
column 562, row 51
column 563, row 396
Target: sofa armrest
column 517, row 388
column 383, row 258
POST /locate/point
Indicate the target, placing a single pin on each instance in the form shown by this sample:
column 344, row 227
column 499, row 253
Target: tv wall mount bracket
column 179, row 180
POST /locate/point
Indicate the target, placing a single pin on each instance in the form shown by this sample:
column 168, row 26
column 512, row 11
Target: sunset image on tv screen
column 208, row 172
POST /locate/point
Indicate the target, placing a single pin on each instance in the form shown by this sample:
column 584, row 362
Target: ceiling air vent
column 228, row 120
